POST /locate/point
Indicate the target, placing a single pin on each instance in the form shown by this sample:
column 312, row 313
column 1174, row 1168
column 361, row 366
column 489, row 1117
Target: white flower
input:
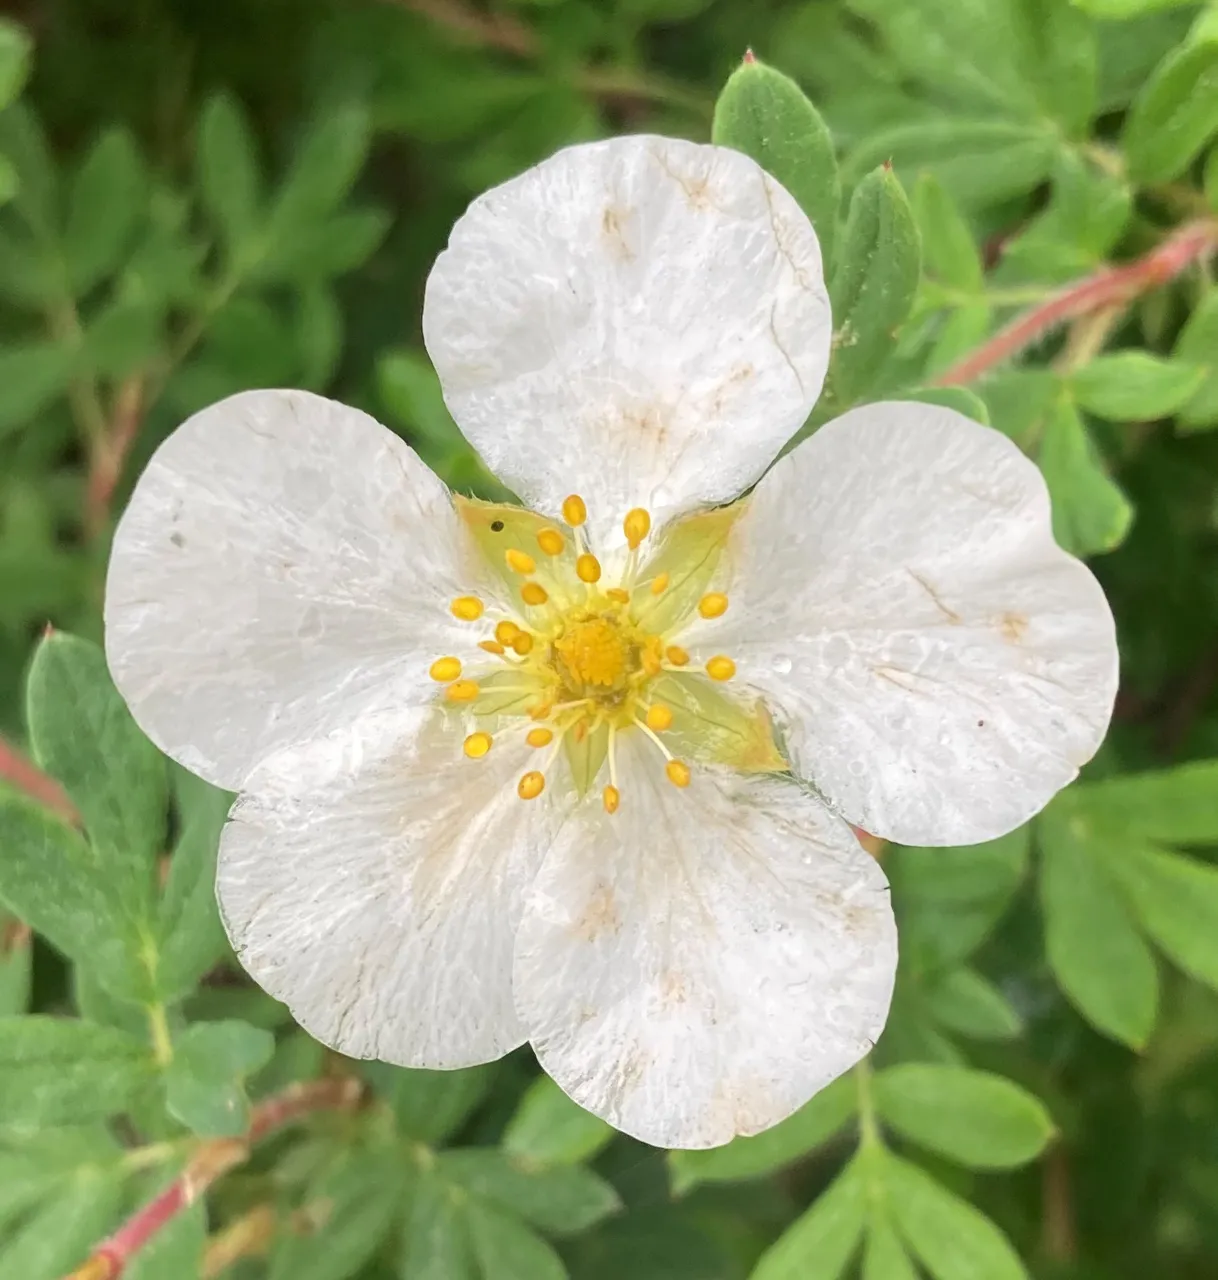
column 517, row 774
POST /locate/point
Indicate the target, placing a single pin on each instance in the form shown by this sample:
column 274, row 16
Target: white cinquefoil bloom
column 580, row 772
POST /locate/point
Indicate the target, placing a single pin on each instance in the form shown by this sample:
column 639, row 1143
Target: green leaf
column 1174, row 114
column 766, row 115
column 52, row 1241
column 561, row 1201
column 1179, row 806
column 1198, row 345
column 204, row 1083
column 873, row 285
column 176, row 1251
column 1134, row 386
column 505, row 1249
column 15, row 966
column 326, row 164
column 106, row 200
column 962, row 1000
column 24, row 144
column 324, row 249
column 226, row 169
column 83, row 734
column 754, row 1157
column 121, row 338
column 31, row 377
column 948, row 249
column 885, row 1257
column 15, row 49
column 1176, row 901
column 549, row 1128
column 1118, row 10
column 436, row 1245
column 10, row 183
column 972, row 1117
column 1097, row 955
column 65, row 1071
column 319, row 335
column 430, row 1105
column 959, row 398
column 951, row 1239
column 1090, row 513
column 1057, row 56
column 822, row 1240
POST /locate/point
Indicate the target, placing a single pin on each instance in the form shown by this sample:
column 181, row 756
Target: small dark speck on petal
column 177, row 539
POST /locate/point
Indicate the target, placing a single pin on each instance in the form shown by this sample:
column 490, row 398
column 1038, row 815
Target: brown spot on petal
column 613, row 227
column 672, row 987
column 1012, row 627
column 600, row 916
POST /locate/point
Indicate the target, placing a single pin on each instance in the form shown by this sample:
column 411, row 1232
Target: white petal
column 642, row 321
column 284, row 562
column 940, row 667
column 373, row 882
column 700, row 963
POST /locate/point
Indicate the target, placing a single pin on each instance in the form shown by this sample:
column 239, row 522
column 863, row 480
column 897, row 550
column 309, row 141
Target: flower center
column 596, row 651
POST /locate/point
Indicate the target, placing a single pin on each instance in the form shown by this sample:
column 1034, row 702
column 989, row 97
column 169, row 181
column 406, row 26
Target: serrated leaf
column 878, row 265
column 766, row 115
column 753, row 1157
column 822, row 1240
column 106, row 200
column 205, row 1081
column 1174, row 114
column 972, row 1117
column 1097, row 955
column 226, row 169
column 549, row 1128
column 64, row 1071
column 965, row 1002
column 1135, row 386
column 31, row 377
column 952, row 1240
column 1179, row 806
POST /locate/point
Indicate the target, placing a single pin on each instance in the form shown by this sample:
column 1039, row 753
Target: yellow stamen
column 445, row 669
column 477, row 745
column 636, row 526
column 550, row 541
column 616, row 593
column 467, row 608
column 580, row 732
column 540, row 710
column 534, row 593
column 520, row 561
column 713, row 605
column 659, row 584
column 506, row 632
column 539, row 737
column 678, row 773
column 720, row 668
column 676, row 655
column 651, row 663
column 462, row 691
column 531, row 785
column 574, row 511
column 588, row 568
column 522, row 642
column 659, row 717
column 612, row 797
column 491, row 646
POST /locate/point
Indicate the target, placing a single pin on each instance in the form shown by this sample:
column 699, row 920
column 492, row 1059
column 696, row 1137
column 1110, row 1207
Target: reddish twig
column 494, row 31
column 1107, row 288
column 27, row 777
column 212, row 1160
column 106, row 466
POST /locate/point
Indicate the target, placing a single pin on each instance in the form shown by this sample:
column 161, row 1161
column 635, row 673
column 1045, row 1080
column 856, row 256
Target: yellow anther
column 540, row 710
column 521, row 561
column 477, row 745
column 539, row 737
column 462, row 691
column 676, row 655
column 659, row 583
column 522, row 642
column 467, row 608
column 491, row 646
column 713, row 605
column 550, row 541
column 574, row 512
column 659, row 717
column 506, row 632
column 720, row 668
column 588, row 568
column 531, row 785
column 534, row 593
column 636, row 526
column 613, row 798
column 678, row 773
column 445, row 669
column 616, row 593
column 650, row 661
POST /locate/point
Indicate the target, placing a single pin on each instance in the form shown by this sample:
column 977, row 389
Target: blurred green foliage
column 1018, row 202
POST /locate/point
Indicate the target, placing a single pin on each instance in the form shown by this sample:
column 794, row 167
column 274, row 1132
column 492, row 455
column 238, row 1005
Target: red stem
column 1111, row 286
column 27, row 777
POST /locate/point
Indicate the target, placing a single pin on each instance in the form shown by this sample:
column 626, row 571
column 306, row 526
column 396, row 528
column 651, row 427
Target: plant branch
column 110, row 453
column 210, row 1162
column 1108, row 288
column 249, row 1236
column 28, row 778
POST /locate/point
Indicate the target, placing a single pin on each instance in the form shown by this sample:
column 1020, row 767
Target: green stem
column 869, row 1125
column 158, row 1029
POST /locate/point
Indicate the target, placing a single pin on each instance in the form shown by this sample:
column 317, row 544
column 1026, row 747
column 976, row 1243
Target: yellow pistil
column 678, row 773
column 445, row 669
column 506, row 632
column 491, row 646
column 636, row 526
column 574, row 510
column 588, row 568
column 659, row 717
column 462, row 691
column 531, row 785
column 477, row 745
column 467, row 608
column 676, row 655
column 720, row 667
column 550, row 541
column 594, row 652
column 659, row 584
column 539, row 737
column 612, row 798
column 519, row 561
column 713, row 605
column 534, row 593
